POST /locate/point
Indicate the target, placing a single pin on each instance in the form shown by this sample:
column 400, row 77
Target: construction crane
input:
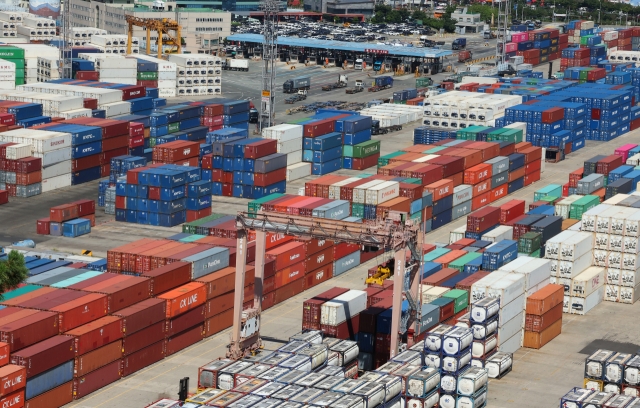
column 396, row 233
column 163, row 26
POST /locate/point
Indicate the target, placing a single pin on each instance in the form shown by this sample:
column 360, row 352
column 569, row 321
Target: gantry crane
column 162, row 26
column 396, row 233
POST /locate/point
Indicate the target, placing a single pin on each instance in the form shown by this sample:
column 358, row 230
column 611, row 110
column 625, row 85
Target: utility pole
column 65, row 58
column 269, row 57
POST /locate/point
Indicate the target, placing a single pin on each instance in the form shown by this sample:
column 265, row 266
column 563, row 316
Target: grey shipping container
column 336, row 210
column 29, row 191
column 208, row 261
column 498, row 164
column 346, row 263
column 49, row 380
column 461, row 210
column 590, row 183
column 53, row 273
column 499, row 179
column 427, row 199
column 429, row 317
column 270, row 163
column 462, row 193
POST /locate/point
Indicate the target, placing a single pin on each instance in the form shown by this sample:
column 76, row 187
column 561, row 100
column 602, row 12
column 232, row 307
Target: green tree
column 419, row 15
column 12, row 272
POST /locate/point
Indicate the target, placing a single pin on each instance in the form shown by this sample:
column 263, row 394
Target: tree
column 419, row 15
column 12, row 272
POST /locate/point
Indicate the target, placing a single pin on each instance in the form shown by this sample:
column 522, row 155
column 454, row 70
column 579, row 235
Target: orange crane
column 396, row 233
column 163, row 26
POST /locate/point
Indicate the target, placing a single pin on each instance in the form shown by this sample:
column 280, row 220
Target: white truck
column 232, row 64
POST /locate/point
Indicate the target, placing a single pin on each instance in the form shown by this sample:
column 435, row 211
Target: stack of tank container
column 197, row 74
column 607, row 371
column 157, row 73
column 15, row 55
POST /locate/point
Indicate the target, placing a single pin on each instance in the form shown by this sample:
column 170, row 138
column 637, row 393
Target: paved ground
column 539, row 377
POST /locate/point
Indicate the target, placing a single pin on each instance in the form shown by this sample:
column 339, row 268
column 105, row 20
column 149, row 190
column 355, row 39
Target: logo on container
column 189, row 301
column 13, row 382
column 320, row 259
column 56, row 142
column 14, row 401
column 319, row 275
column 295, row 256
column 213, row 263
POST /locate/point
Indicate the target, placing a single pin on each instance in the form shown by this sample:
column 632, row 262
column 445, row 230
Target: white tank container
column 456, row 340
column 498, row 364
column 434, row 339
column 388, row 368
column 347, row 351
column 481, row 348
column 422, row 383
column 349, row 401
column 329, row 382
column 326, row 398
column 485, row 309
column 348, row 385
column 472, row 381
column 318, row 354
column 483, row 330
column 392, row 385
column 408, row 357
column 226, row 376
column 454, row 363
column 372, row 393
column 472, row 401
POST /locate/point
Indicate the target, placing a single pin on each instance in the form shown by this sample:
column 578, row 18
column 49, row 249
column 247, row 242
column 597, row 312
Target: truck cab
column 254, row 115
column 358, row 64
column 377, row 65
column 459, row 44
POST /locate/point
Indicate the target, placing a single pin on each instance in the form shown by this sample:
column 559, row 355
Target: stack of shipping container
column 536, row 46
column 69, row 220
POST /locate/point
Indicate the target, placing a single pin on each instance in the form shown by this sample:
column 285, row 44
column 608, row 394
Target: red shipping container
column 42, row 226
column 531, row 154
column 145, row 337
column 286, row 254
column 4, row 196
column 136, row 141
column 183, row 340
column 143, row 358
column 552, row 115
column 97, row 358
column 133, row 92
column 88, row 383
column 483, row 219
column 450, row 165
column 318, row 276
column 365, row 162
column 224, row 320
column 115, row 142
column 260, row 148
column 266, row 179
column 608, row 164
column 29, row 330
column 62, row 213
column 15, row 400
column 311, row 307
column 13, row 378
column 137, row 317
column 187, row 320
column 440, row 277
column 290, row 274
column 196, row 215
column 478, row 173
column 80, row 311
column 24, row 179
column 511, row 210
column 481, row 188
column 343, row 249
column 531, row 178
column 480, row 201
column 136, row 129
column 96, row 334
column 532, row 166
column 440, row 189
column 184, row 298
column 28, row 165
column 7, row 119
column 122, row 294
column 88, row 75
column 85, row 207
column 318, row 128
column 54, row 398
column 344, row 330
column 498, row 193
column 516, row 174
column 90, row 103
column 319, row 259
column 288, row 291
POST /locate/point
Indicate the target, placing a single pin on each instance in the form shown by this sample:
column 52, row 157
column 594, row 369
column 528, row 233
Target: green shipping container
column 254, row 206
column 510, row 135
column 65, row 283
column 384, row 160
column 494, row 135
column 192, row 238
column 583, row 205
column 174, row 127
column 357, row 210
column 20, row 291
column 205, row 230
column 147, row 76
column 364, row 149
column 363, row 175
column 463, row 260
column 529, row 242
column 434, row 150
column 460, row 299
column 551, row 189
column 549, row 199
column 413, row 181
column 535, row 254
column 435, row 254
column 9, row 52
column 416, row 215
column 19, row 81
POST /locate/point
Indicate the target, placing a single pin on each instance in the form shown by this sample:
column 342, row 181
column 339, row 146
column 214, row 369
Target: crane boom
column 396, row 233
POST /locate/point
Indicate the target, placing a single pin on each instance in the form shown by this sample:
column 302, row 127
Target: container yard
column 456, row 242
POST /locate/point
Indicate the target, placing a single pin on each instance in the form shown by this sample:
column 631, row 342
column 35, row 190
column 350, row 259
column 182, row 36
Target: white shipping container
column 359, row 193
column 77, row 113
column 334, row 189
column 601, row 241
column 298, row 171
column 167, row 93
column 632, row 225
column 510, row 345
column 570, row 269
column 535, row 270
column 457, row 234
column 612, row 276
column 507, row 289
column 629, row 295
column 431, row 293
column 588, row 282
column 563, row 207
column 582, row 306
column 479, row 288
column 512, row 327
column 18, row 151
column 630, row 245
column 57, row 169
column 116, row 108
column 615, row 199
column 289, row 146
column 55, row 183
column 498, row 234
column 603, row 220
column 53, row 157
column 575, row 246
column 630, row 262
column 552, row 247
column 343, row 307
column 618, row 219
column 294, row 157
column 116, row 63
column 283, row 133
column 629, row 278
column 511, row 310
column 382, row 192
column 589, row 217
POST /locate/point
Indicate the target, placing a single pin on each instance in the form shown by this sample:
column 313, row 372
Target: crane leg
column 398, row 286
column 261, row 244
column 238, row 299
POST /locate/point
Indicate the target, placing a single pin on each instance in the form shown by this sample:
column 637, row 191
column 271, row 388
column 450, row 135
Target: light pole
column 599, row 10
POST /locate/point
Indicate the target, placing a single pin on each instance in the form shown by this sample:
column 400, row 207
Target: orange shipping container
column 537, row 340
column 440, row 189
column 4, row 354
column 290, row 274
column 545, row 299
column 536, row 323
column 450, row 257
column 184, row 298
column 478, row 173
column 470, row 157
column 480, row 201
column 499, row 192
column 457, row 178
column 15, row 400
column 481, row 188
column 13, row 378
column 516, row 174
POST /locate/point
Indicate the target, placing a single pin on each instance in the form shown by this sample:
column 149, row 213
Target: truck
column 464, row 56
column 377, row 130
column 359, row 64
column 459, row 44
column 254, row 115
column 357, row 88
column 377, row 65
column 232, row 64
column 341, row 83
column 380, row 83
column 296, row 84
column 488, row 34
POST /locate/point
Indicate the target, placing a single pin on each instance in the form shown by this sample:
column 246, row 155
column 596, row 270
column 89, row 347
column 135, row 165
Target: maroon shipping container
column 183, row 340
column 44, row 355
column 531, row 154
column 344, row 330
column 318, row 276
column 96, row 334
column 220, row 303
column 29, row 330
column 133, row 92
column 51, row 299
column 80, row 311
column 88, row 75
column 115, row 142
column 511, row 210
column 142, row 358
column 440, row 277
column 318, row 128
column 92, row 281
column 289, row 291
column 450, row 164
column 224, row 320
column 28, row 165
column 608, row 164
column 446, row 311
column 343, row 249
column 62, row 213
column 260, row 148
column 145, row 337
column 86, row 384
column 266, row 179
column 185, row 321
column 169, row 277
column 124, row 294
column 552, row 115
column 319, row 259
column 97, row 358
column 43, row 226
column 142, row 315
column 269, row 267
column 311, row 307
column 286, row 255
column 90, row 103
column 54, row 398
column 85, row 207
column 369, row 316
column 483, row 219
column 371, row 291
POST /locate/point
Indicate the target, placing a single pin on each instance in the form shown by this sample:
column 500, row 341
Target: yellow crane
column 164, row 27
